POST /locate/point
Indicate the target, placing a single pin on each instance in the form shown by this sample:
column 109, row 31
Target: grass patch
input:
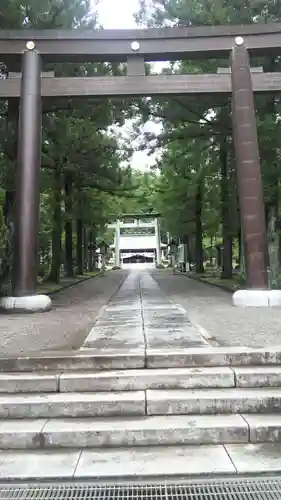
column 213, row 278
column 230, row 284
column 46, row 287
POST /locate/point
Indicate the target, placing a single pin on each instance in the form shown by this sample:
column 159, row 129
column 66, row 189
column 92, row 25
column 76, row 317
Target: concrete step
column 139, row 431
column 264, row 428
column 12, row 383
column 72, row 405
column 187, row 461
column 257, row 376
column 213, row 401
column 87, row 359
column 141, row 379
column 134, row 380
column 212, row 356
column 121, row 463
column 132, row 431
column 154, row 462
column 120, row 359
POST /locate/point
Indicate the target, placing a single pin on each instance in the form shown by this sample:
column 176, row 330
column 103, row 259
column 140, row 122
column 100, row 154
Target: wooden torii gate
column 32, row 48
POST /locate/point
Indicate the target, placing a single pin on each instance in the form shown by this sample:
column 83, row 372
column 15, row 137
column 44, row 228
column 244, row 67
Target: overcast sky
column 119, row 14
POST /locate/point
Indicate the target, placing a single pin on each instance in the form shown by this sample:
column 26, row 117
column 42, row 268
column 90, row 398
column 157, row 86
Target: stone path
column 66, row 326
column 140, row 316
column 156, row 462
column 211, row 308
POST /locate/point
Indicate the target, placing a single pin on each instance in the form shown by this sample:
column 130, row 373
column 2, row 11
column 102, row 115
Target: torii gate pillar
column 24, row 279
column 249, row 184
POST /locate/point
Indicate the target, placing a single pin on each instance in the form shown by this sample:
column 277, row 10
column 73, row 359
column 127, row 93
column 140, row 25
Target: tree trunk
column 199, row 255
column 272, row 176
column 90, row 251
column 10, row 150
column 239, row 237
column 56, row 229
column 94, row 249
column 225, row 219
column 79, row 247
column 9, row 204
column 85, row 249
column 211, row 250
column 68, row 189
column 227, row 257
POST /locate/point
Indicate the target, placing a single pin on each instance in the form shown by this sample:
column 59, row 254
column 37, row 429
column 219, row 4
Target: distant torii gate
column 136, row 47
column 139, row 221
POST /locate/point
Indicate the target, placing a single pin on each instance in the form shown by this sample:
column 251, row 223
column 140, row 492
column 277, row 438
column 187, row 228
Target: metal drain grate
column 224, row 489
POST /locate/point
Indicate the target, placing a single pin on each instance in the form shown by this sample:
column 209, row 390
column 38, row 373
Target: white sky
column 119, row 14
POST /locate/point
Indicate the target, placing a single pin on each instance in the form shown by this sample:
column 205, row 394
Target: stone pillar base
column 27, row 304
column 257, row 298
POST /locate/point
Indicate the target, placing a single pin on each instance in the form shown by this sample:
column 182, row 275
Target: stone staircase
column 191, row 411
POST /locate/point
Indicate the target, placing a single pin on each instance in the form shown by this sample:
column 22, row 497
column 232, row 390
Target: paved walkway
column 153, row 309
column 74, row 312
column 141, row 316
column 211, row 308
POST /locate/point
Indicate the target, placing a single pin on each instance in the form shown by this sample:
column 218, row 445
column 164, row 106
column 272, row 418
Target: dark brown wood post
column 248, row 168
column 27, row 181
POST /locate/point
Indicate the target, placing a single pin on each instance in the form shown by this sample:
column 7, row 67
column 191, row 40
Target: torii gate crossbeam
column 132, row 86
column 155, row 44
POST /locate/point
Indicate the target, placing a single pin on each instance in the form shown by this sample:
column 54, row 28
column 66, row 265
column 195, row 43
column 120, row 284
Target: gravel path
column 74, row 313
column 211, row 308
